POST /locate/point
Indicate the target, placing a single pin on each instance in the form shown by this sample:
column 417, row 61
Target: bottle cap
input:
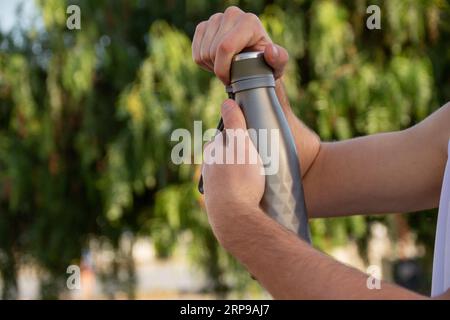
column 248, row 65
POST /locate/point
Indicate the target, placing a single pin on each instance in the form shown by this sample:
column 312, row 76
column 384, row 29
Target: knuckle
column 200, row 26
column 253, row 18
column 225, row 46
column 215, row 17
column 233, row 10
column 233, row 120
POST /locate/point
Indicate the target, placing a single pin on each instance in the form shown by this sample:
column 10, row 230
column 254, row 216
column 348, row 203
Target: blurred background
column 86, row 116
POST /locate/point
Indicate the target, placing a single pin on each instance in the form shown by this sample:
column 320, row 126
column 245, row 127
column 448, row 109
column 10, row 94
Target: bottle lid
column 248, row 65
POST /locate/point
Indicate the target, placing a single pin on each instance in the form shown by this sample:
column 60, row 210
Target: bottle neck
column 258, row 81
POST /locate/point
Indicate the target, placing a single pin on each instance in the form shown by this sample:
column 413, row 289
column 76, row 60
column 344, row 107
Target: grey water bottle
column 253, row 88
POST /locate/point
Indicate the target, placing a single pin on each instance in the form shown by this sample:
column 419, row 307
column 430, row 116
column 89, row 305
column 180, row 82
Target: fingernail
column 275, row 50
column 227, row 104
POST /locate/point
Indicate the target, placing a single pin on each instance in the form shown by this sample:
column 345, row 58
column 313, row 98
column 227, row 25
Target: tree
column 86, row 117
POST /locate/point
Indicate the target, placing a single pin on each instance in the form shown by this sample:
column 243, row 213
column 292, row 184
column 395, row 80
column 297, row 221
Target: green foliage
column 86, row 118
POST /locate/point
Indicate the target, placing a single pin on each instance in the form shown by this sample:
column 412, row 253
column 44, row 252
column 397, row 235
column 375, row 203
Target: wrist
column 249, row 231
column 233, row 223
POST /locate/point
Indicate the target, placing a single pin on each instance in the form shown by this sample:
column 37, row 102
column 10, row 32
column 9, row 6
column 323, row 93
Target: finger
column 245, row 34
column 277, row 57
column 232, row 115
column 235, row 133
column 211, row 30
column 208, row 153
column 212, row 155
column 196, row 44
column 230, row 18
column 212, row 152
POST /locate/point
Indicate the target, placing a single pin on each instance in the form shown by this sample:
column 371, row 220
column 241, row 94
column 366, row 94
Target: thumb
column 277, row 57
column 232, row 115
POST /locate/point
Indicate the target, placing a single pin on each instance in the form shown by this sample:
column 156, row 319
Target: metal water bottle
column 253, row 88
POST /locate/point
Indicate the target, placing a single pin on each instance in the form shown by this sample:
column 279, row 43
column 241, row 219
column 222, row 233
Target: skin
column 389, row 172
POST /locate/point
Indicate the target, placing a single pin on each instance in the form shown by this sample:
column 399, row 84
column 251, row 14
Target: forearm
column 390, row 172
column 290, row 269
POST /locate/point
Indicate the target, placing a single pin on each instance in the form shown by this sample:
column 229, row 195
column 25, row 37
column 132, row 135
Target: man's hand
column 389, row 172
column 226, row 34
column 231, row 186
column 285, row 265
